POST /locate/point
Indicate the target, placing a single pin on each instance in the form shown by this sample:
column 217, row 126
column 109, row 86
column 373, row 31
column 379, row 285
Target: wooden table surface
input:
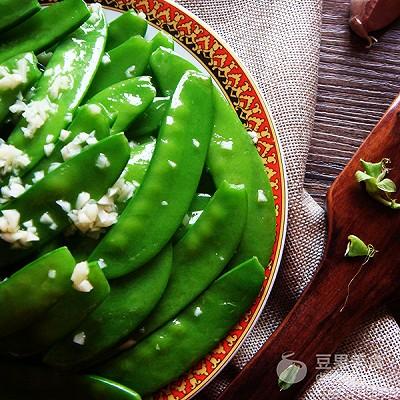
column 356, row 85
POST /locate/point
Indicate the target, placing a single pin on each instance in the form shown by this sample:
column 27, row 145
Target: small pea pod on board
column 131, row 299
column 17, row 75
column 30, row 292
column 149, row 122
column 39, row 32
column 128, row 99
column 14, row 12
column 82, row 246
column 69, row 311
column 128, row 60
column 174, row 348
column 61, row 88
column 124, row 27
column 21, row 381
column 88, row 119
column 202, row 253
column 78, row 174
column 232, row 157
column 153, row 215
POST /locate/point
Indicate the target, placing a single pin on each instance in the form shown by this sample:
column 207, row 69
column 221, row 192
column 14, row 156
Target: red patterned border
column 244, row 96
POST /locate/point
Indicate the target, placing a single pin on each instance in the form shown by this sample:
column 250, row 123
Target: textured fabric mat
column 278, row 40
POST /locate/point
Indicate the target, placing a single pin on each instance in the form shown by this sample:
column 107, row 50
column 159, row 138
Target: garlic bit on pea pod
column 377, row 185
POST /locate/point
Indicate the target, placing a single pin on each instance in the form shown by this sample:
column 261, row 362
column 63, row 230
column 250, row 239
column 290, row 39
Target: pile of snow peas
column 136, row 216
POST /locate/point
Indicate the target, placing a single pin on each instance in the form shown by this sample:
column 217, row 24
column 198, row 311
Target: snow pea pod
column 88, row 119
column 76, row 175
column 61, row 319
column 82, row 246
column 149, row 122
column 30, row 292
column 128, row 99
column 17, row 75
column 40, row 31
column 232, row 157
column 124, row 27
column 128, row 60
column 131, row 299
column 153, row 215
column 174, row 348
column 61, row 88
column 199, row 203
column 13, row 12
column 201, row 255
column 21, row 381
column 162, row 39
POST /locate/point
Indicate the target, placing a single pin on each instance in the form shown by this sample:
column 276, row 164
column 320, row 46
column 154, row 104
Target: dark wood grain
column 318, row 323
column 356, row 85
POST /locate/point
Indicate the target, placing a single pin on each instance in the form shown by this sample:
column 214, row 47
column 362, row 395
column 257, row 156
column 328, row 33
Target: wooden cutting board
column 316, row 325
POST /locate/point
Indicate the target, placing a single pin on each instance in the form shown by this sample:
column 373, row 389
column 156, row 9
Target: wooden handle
column 316, row 325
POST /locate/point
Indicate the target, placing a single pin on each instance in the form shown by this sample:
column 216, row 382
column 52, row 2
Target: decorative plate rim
column 281, row 229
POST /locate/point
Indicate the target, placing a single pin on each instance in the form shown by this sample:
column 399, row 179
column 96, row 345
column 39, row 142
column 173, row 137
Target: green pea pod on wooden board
column 174, row 348
column 232, row 157
column 153, row 215
column 124, row 27
column 14, row 12
column 131, row 299
column 21, row 381
column 31, row 291
column 149, row 122
column 17, row 75
column 82, row 246
column 128, row 60
column 202, row 254
column 61, row 319
column 48, row 196
column 61, row 88
column 89, row 119
column 128, row 99
column 43, row 29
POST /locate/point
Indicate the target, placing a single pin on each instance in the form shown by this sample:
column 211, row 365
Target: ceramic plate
column 195, row 41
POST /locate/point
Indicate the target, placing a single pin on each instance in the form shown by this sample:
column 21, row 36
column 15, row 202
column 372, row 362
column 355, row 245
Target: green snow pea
column 88, row 118
column 14, row 12
column 44, row 28
column 201, row 255
column 199, row 203
column 175, row 347
column 232, row 157
column 30, row 292
column 24, row 80
column 124, row 27
column 61, row 319
column 21, row 381
column 82, row 246
column 151, row 218
column 162, row 39
column 128, row 99
column 149, row 122
column 131, row 299
column 62, row 87
column 128, row 60
column 76, row 175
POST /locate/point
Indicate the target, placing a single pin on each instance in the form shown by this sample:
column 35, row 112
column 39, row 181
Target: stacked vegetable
column 131, row 207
